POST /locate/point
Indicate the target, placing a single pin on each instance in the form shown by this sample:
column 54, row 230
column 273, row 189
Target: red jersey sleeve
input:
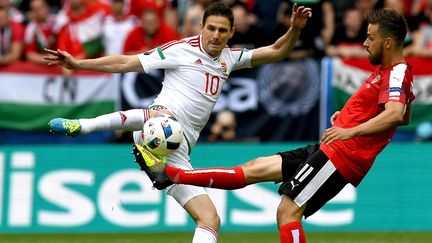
column 397, row 85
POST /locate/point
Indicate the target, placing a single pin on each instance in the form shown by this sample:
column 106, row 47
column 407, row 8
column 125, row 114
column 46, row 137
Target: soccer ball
column 161, row 135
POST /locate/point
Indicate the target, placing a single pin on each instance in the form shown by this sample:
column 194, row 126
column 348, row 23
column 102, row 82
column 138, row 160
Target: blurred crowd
column 91, row 28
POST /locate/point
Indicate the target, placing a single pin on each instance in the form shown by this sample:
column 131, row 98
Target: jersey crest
column 376, row 79
column 224, row 67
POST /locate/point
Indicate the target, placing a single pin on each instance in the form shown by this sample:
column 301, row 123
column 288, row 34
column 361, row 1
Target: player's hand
column 299, row 16
column 61, row 58
column 333, row 117
column 336, row 133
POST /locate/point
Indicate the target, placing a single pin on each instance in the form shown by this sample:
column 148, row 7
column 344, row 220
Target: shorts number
column 212, row 84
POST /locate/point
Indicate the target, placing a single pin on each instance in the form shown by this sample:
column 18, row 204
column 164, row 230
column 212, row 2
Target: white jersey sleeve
column 162, row 57
column 243, row 58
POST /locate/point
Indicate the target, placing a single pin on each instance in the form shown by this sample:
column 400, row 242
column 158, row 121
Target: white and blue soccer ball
column 161, row 135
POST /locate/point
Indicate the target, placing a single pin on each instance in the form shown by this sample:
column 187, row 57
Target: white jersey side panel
column 193, row 80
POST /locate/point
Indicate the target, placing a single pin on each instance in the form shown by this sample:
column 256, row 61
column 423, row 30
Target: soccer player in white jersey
column 196, row 69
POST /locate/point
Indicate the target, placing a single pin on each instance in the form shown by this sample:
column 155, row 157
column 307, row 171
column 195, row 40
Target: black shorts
column 309, row 177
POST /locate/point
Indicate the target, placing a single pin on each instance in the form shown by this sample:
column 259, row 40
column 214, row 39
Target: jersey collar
column 203, row 51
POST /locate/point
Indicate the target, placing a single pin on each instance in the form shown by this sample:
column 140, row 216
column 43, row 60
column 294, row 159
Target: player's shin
column 222, row 178
column 130, row 120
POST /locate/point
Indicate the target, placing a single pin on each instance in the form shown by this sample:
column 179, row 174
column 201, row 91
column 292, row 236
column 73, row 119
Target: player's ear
column 388, row 43
column 233, row 29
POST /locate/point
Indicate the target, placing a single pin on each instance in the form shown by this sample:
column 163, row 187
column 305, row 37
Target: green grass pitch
column 375, row 237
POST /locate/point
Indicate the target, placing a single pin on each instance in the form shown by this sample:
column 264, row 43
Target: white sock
column 130, row 120
column 205, row 234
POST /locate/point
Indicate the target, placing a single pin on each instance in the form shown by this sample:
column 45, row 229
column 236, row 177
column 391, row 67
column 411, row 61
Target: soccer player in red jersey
column 313, row 175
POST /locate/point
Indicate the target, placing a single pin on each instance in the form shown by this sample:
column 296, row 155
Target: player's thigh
column 180, row 158
column 276, row 167
column 159, row 110
column 192, row 198
column 315, row 182
column 263, row 169
column 293, row 159
column 182, row 193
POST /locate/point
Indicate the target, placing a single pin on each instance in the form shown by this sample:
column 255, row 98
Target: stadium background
column 59, row 189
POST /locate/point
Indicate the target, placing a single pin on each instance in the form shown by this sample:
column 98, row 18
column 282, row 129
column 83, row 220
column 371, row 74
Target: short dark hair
column 219, row 9
column 390, row 23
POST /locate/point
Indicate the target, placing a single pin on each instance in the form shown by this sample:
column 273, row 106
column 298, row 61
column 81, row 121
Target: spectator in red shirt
column 81, row 30
column 163, row 8
column 313, row 175
column 116, row 27
column 38, row 32
column 14, row 14
column 151, row 33
column 11, row 39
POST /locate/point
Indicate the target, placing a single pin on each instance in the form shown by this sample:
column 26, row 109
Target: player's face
column 215, row 34
column 374, row 45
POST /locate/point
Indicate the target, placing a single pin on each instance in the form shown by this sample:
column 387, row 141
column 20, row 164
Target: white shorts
column 179, row 159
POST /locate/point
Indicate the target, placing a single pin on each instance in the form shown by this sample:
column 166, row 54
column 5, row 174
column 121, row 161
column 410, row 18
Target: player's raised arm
column 112, row 64
column 283, row 46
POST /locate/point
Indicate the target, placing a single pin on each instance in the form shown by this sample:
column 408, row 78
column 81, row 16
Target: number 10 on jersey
column 212, row 84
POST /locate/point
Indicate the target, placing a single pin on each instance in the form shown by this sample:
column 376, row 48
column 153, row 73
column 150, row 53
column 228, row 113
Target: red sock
column 222, row 178
column 292, row 233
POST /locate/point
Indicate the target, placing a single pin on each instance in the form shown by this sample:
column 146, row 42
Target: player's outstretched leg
column 65, row 126
column 153, row 166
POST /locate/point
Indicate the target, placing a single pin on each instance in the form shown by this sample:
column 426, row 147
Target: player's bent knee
column 203, row 211
column 288, row 211
column 208, row 218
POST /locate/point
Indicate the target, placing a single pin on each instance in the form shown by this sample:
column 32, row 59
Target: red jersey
column 135, row 39
column 354, row 157
column 136, row 7
column 14, row 32
column 39, row 36
column 81, row 35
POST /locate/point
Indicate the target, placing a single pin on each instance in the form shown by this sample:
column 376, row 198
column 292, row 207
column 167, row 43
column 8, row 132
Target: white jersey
column 114, row 33
column 193, row 79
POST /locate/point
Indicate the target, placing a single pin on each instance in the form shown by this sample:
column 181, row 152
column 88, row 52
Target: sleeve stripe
column 161, row 55
column 397, row 76
column 241, row 54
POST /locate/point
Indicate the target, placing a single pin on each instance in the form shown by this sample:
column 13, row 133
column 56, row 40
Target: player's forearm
column 384, row 121
column 407, row 115
column 284, row 45
column 112, row 64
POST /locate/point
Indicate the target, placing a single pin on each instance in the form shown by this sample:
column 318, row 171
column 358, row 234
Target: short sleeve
column 242, row 58
column 398, row 86
column 167, row 56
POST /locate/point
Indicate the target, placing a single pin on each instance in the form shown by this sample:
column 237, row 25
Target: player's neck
column 213, row 56
column 392, row 59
